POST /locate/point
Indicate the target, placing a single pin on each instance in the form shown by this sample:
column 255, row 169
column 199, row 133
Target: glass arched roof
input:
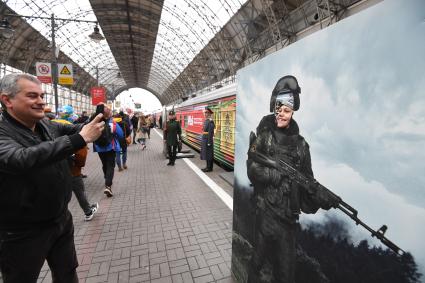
column 169, row 47
column 71, row 36
column 185, row 27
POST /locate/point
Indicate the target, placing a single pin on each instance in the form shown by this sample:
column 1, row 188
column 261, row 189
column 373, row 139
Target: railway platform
column 163, row 224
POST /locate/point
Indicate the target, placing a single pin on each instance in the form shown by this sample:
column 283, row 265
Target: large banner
column 360, row 130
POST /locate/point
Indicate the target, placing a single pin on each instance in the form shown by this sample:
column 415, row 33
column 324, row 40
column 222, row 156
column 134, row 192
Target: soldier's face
column 283, row 116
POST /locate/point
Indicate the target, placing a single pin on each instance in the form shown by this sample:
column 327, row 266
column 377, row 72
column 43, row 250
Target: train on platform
column 190, row 115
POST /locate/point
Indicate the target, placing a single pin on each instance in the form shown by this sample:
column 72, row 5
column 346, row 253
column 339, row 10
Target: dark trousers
column 210, row 164
column 108, row 166
column 274, row 250
column 80, row 193
column 172, row 153
column 22, row 254
column 134, row 134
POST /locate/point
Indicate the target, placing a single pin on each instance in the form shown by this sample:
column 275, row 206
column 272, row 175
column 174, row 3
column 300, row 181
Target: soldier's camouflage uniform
column 279, row 201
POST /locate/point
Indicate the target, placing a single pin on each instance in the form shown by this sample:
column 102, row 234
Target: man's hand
column 91, row 131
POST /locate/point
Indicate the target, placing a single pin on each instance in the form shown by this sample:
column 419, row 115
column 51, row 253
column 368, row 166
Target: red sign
column 193, row 121
column 97, row 95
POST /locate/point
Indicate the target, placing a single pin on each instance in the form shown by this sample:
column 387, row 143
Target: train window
column 185, row 121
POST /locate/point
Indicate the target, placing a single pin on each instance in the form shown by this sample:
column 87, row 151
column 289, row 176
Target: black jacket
column 35, row 180
column 134, row 121
column 277, row 193
column 172, row 133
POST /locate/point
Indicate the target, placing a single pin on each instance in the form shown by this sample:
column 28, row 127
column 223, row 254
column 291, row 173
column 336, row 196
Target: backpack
column 105, row 138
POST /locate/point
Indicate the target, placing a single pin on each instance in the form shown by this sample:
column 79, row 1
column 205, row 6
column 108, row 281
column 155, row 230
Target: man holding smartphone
column 36, row 183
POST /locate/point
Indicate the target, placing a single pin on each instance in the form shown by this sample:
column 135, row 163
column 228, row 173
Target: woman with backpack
column 106, row 146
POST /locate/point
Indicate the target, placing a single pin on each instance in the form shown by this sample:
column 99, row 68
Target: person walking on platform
column 207, row 145
column 76, row 162
column 172, row 136
column 154, row 125
column 121, row 120
column 160, row 121
column 149, row 123
column 106, row 146
column 142, row 131
column 36, row 184
column 134, row 122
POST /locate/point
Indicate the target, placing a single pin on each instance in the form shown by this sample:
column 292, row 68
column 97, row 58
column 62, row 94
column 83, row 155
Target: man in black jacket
column 134, row 121
column 35, row 184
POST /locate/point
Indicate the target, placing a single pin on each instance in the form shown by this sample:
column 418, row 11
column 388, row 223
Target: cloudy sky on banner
column 362, row 112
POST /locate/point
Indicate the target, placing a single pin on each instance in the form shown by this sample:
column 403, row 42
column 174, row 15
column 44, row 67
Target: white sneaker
column 94, row 208
column 108, row 191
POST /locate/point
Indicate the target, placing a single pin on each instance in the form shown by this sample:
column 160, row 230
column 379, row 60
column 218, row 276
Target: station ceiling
column 172, row 48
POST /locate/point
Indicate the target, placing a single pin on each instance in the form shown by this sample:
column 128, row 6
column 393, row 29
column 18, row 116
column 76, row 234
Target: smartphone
column 100, row 108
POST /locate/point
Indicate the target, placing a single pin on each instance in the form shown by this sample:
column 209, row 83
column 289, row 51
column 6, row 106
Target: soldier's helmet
column 286, row 92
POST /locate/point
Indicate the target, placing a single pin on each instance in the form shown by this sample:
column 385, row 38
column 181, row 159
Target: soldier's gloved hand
column 325, row 198
column 331, row 201
column 336, row 200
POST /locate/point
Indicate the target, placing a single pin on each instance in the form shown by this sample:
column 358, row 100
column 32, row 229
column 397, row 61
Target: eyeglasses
column 287, row 82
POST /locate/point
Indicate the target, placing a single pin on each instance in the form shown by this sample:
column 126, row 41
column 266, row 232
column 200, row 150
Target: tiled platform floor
column 162, row 225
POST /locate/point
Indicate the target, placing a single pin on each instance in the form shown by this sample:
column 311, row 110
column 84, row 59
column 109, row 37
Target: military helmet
column 288, row 90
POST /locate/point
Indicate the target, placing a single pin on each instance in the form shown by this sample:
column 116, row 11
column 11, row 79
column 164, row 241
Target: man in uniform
column 207, row 145
column 279, row 200
column 172, row 136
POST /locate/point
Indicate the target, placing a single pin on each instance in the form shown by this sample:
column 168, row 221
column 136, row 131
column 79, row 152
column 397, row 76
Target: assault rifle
column 309, row 183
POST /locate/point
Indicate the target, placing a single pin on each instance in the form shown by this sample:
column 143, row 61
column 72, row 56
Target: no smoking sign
column 43, row 69
column 44, row 72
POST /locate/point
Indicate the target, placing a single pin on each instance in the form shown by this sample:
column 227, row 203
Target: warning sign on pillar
column 65, row 74
column 44, row 72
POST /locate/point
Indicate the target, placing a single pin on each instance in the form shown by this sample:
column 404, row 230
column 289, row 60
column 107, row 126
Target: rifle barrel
column 377, row 234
